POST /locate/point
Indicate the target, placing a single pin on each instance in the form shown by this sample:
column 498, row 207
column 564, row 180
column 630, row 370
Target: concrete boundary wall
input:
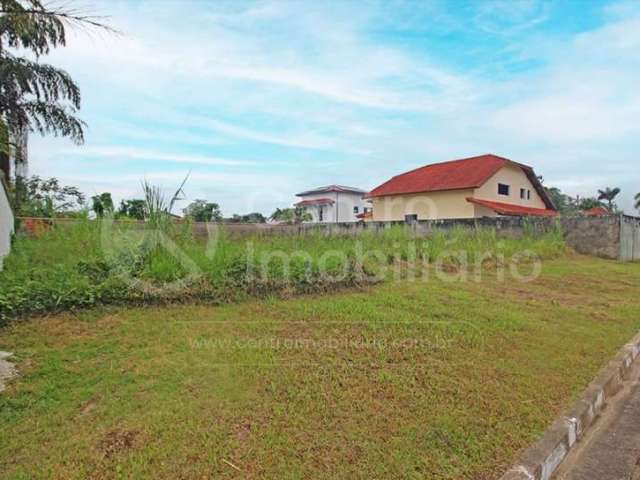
column 7, row 220
column 612, row 236
column 629, row 238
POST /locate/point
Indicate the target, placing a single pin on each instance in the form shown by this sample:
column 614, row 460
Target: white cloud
column 128, row 153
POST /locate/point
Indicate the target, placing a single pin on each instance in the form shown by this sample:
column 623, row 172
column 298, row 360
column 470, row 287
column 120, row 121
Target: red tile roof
column 511, row 209
column 596, row 212
column 315, row 201
column 460, row 174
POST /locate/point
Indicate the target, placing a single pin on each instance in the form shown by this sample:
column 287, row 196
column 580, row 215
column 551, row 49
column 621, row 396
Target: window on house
column 528, row 194
column 411, row 218
column 503, row 189
column 355, row 210
column 321, row 214
column 523, row 193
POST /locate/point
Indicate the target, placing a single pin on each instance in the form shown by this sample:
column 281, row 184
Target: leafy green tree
column 133, row 209
column 102, row 204
column 203, row 211
column 563, row 202
column 254, row 217
column 608, row 195
column 48, row 198
column 291, row 215
column 35, row 96
column 588, row 203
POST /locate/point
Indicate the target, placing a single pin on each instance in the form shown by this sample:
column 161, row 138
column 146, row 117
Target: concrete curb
column 541, row 460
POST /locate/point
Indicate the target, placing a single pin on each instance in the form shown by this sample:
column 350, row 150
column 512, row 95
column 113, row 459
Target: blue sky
column 260, row 100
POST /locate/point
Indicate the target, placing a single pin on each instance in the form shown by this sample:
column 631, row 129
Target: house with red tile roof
column 482, row 186
column 334, row 203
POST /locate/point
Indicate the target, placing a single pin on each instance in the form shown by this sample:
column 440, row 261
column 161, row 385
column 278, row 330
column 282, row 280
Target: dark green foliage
column 588, row 203
column 291, row 215
column 608, row 195
column 133, row 209
column 203, row 211
column 47, row 198
column 255, row 217
column 36, row 96
column 564, row 203
column 102, row 204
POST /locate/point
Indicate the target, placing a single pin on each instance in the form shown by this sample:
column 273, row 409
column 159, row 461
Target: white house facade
column 334, row 204
column 6, row 220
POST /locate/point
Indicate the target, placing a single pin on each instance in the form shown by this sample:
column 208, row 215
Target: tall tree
column 36, row 96
column 102, row 204
column 133, row 209
column 608, row 195
column 203, row 211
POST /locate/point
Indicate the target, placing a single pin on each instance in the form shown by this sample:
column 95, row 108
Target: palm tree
column 35, row 96
column 607, row 195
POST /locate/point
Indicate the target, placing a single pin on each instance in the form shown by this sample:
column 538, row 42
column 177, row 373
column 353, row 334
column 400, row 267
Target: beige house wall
column 428, row 206
column 514, row 177
column 453, row 203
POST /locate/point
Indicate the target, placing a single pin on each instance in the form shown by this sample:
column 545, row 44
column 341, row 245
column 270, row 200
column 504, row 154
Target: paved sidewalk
column 611, row 450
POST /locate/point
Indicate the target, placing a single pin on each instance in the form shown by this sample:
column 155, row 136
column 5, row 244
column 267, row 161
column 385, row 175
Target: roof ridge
column 475, row 157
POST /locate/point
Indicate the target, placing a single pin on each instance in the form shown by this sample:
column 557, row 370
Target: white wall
column 342, row 208
column 6, row 223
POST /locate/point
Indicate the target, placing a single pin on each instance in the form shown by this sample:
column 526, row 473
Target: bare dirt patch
column 117, row 441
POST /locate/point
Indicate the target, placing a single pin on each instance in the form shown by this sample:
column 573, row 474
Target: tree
column 254, row 217
column 587, row 203
column 291, row 215
column 47, row 198
column 36, row 96
column 563, row 202
column 608, row 195
column 203, row 211
column 102, row 204
column 133, row 209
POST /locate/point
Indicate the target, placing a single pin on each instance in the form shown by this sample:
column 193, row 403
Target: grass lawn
column 404, row 379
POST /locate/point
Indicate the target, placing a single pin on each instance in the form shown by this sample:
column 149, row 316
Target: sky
column 259, row 100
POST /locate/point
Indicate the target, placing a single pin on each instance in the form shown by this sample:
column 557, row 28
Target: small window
column 523, row 193
column 321, row 214
column 411, row 218
column 503, row 189
column 528, row 194
column 355, row 210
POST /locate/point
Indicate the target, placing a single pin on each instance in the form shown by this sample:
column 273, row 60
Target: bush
column 85, row 263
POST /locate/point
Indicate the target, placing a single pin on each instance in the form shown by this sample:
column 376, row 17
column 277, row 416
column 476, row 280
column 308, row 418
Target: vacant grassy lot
column 405, row 379
column 102, row 263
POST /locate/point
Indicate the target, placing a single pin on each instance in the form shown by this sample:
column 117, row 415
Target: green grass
column 406, row 379
column 95, row 263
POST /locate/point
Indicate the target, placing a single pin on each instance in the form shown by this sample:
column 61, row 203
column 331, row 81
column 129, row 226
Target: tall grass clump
column 93, row 262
